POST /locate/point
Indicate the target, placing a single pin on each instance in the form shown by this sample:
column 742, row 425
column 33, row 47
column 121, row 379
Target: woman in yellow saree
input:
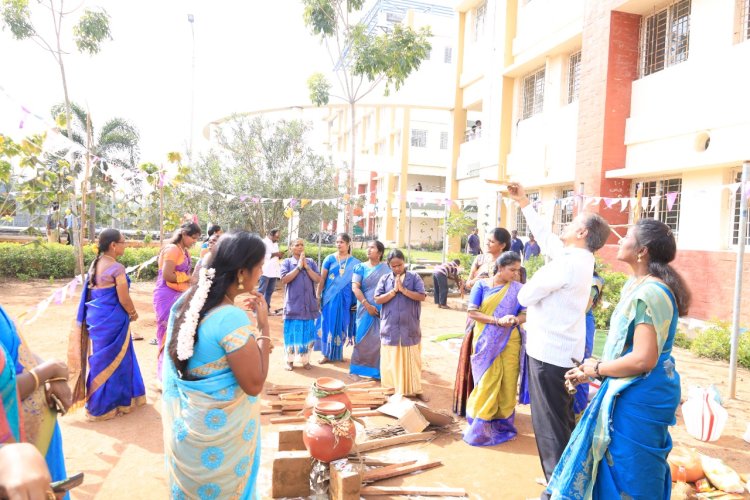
column 497, row 354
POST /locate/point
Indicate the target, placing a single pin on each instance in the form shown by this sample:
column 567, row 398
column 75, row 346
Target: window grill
column 736, row 219
column 662, row 211
column 533, row 94
column 443, row 140
column 574, row 76
column 564, row 209
column 521, row 225
column 665, row 38
column 418, row 138
column 479, row 14
column 742, row 28
column 448, row 55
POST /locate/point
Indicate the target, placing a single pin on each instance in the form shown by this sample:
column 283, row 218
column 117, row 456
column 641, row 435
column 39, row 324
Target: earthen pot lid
column 330, row 407
column 329, row 384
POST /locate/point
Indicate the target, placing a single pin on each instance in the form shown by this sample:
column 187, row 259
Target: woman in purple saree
column 173, row 279
column 497, row 354
column 114, row 384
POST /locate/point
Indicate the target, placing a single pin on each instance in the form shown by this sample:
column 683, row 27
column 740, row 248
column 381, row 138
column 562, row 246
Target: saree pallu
column 164, row 299
column 335, row 322
column 464, row 382
column 39, row 421
column 211, row 434
column 495, row 365
column 366, row 354
column 11, row 426
column 581, row 397
column 114, row 383
column 620, row 446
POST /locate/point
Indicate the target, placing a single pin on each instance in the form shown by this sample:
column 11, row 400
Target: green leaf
column 91, row 30
column 16, row 16
column 320, row 89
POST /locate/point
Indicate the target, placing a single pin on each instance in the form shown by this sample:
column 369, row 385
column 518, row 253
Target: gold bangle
column 264, row 337
column 36, row 379
column 56, row 379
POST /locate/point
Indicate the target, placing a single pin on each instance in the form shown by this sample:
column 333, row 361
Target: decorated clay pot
column 326, row 389
column 329, row 432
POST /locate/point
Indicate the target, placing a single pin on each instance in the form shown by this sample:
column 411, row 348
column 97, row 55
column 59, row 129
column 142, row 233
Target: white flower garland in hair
column 186, row 335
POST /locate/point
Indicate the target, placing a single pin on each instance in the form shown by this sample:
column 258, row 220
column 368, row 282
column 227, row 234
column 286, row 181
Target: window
column 448, row 55
column 443, row 140
column 564, row 209
column 532, row 99
column 418, row 138
column 574, row 76
column 742, row 26
column 393, row 17
column 479, row 14
column 665, row 38
column 736, row 220
column 521, row 226
column 669, row 193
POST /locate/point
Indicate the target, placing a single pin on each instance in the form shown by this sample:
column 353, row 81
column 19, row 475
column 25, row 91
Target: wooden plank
column 411, row 490
column 359, row 385
column 376, row 444
column 298, row 418
column 387, row 468
column 377, row 475
column 270, row 411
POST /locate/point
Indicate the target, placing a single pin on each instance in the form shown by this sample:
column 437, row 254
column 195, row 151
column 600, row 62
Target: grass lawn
column 600, row 337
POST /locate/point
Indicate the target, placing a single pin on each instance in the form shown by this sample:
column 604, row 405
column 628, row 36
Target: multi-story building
column 589, row 102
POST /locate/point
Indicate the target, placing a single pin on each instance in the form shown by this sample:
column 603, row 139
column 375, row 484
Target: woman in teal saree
column 214, row 370
column 619, row 448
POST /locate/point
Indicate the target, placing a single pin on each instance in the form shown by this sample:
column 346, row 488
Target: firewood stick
column 377, row 475
column 387, row 468
column 376, row 444
column 411, row 490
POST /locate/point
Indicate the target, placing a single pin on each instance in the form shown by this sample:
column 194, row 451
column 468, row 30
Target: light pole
column 191, row 20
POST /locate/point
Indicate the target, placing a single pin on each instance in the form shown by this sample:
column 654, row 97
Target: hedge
column 52, row 260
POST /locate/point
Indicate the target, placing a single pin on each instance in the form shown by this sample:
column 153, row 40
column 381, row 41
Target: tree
column 116, row 144
column 362, row 59
column 165, row 193
column 262, row 159
column 89, row 32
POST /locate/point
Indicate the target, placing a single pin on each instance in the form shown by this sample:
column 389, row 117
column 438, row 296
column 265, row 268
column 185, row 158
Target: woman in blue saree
column 114, row 384
column 619, row 448
column 36, row 381
column 497, row 354
column 335, row 324
column 366, row 354
column 214, row 370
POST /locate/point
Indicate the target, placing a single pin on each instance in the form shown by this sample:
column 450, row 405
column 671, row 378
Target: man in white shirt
column 271, row 266
column 556, row 298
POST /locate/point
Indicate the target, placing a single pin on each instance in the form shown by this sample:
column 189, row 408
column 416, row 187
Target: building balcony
column 469, row 156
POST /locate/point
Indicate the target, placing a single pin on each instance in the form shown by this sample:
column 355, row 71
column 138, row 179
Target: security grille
column 662, row 212
column 564, row 209
column 532, row 101
column 443, row 140
column 418, row 138
column 479, row 14
column 521, row 225
column 736, row 218
column 574, row 76
column 665, row 38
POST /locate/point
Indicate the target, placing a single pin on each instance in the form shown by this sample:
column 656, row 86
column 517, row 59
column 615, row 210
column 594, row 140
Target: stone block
column 291, row 474
column 290, row 438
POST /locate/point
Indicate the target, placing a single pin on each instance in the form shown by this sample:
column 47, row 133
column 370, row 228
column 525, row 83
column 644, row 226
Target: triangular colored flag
column 304, row 202
column 644, row 203
column 609, row 202
column 624, row 202
column 243, row 197
column 655, row 201
column 671, row 198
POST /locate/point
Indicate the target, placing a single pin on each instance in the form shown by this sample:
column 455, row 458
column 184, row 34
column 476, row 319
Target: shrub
column 613, row 282
column 681, row 339
column 532, row 265
column 52, row 260
column 466, row 260
column 714, row 342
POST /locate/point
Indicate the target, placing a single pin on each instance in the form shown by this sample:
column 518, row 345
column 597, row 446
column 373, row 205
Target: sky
column 249, row 55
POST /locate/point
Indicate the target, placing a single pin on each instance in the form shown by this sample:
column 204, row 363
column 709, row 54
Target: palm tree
column 116, row 144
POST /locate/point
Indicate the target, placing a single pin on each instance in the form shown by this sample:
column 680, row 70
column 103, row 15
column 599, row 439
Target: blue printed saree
column 335, row 322
column 211, row 427
column 366, row 354
column 619, row 448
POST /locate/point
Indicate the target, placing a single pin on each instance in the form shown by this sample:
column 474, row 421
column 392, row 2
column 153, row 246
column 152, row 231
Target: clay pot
column 319, row 437
column 332, row 390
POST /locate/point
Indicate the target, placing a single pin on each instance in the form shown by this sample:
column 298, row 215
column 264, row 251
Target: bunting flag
column 655, row 201
column 304, row 202
column 644, row 204
column 671, row 198
column 609, row 202
column 624, row 202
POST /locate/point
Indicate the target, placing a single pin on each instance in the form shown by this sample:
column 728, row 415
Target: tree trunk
column 349, row 225
column 161, row 211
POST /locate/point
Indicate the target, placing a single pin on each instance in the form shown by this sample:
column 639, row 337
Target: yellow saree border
column 488, row 307
column 134, row 403
column 105, row 374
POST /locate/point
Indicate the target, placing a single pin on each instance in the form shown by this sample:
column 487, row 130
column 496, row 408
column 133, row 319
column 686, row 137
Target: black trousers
column 440, row 281
column 551, row 412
